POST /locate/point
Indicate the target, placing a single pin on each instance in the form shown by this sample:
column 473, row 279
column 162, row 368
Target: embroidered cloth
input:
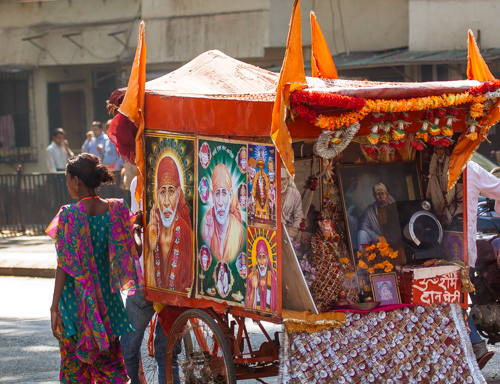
column 420, row 344
column 71, row 232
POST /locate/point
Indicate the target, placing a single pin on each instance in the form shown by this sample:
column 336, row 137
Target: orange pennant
column 133, row 106
column 465, row 148
column 476, row 67
column 321, row 60
column 292, row 78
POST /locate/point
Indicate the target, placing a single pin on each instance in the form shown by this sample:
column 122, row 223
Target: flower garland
column 390, row 117
column 376, row 257
column 175, row 257
column 327, row 100
column 361, row 107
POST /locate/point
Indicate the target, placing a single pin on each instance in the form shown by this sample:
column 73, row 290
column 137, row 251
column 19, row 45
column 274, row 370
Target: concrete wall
column 178, row 30
column 91, row 20
column 443, row 24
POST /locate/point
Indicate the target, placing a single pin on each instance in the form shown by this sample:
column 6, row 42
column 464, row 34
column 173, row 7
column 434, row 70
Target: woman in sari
column 98, row 248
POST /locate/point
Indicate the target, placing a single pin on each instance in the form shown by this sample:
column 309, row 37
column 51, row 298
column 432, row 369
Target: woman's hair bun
column 89, row 169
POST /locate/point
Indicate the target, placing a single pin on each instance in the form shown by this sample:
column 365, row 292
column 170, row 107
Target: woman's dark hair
column 89, row 169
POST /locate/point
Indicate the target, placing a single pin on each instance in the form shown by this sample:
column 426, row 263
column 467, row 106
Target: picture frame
column 385, row 288
column 356, row 182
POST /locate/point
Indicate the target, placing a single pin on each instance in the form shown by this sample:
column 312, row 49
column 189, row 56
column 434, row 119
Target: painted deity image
column 262, row 191
column 222, row 218
column 168, row 235
column 262, row 293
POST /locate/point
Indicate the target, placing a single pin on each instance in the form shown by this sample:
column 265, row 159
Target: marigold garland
column 439, row 104
column 376, row 257
column 390, row 117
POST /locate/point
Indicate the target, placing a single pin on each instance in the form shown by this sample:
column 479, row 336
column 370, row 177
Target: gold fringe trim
column 306, row 321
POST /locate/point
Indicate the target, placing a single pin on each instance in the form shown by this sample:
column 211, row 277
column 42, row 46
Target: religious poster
column 262, row 281
column 221, row 237
column 261, row 205
column 169, row 210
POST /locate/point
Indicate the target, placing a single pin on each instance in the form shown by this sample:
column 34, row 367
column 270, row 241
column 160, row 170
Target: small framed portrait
column 242, row 265
column 223, row 278
column 205, row 155
column 385, row 288
column 241, row 158
column 242, row 195
column 205, row 258
column 204, row 189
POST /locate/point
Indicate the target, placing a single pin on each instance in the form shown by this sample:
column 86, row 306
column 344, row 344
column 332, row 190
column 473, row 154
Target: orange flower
column 371, row 247
column 371, row 256
column 334, row 122
column 344, row 260
column 362, row 264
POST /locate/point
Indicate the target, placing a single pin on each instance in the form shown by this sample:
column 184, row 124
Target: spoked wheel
column 148, row 369
column 201, row 350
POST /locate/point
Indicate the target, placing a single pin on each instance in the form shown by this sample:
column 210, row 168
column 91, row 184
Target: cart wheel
column 148, row 369
column 202, row 350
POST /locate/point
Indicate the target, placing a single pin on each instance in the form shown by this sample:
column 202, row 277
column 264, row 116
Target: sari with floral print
column 71, row 232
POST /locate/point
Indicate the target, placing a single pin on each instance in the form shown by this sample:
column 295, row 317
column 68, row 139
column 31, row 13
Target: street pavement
column 28, row 351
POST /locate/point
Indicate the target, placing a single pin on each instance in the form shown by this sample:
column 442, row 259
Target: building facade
column 61, row 59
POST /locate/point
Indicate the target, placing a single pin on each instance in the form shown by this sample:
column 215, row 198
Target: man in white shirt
column 58, row 152
column 479, row 182
column 95, row 145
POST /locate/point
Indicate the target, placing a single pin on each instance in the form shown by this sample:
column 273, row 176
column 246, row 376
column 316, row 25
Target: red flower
column 390, row 117
column 403, row 116
column 378, row 119
column 446, row 142
column 327, row 100
column 434, row 140
column 451, row 111
column 491, row 86
column 427, row 115
column 417, row 144
column 398, row 143
column 439, row 113
column 306, row 113
column 369, row 148
column 384, row 147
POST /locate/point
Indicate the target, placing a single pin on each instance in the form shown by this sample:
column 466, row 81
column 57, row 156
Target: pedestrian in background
column 95, row 145
column 98, row 249
column 110, row 156
column 58, row 152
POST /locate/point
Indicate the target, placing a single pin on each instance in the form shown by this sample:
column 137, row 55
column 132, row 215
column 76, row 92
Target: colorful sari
column 71, row 232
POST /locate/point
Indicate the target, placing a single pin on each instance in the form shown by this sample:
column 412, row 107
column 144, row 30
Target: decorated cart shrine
column 370, row 282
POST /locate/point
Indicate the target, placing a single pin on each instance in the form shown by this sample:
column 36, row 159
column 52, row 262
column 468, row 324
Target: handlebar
column 485, row 206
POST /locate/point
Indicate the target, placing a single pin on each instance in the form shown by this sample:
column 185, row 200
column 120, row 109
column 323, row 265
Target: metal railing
column 28, row 202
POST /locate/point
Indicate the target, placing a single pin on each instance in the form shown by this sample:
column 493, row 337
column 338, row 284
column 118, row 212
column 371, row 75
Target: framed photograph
column 385, row 288
column 453, row 245
column 365, row 188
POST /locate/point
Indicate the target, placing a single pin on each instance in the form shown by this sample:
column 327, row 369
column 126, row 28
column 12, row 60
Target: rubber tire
column 218, row 335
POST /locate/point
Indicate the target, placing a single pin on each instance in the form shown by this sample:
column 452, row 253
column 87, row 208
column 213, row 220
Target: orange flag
column 321, row 60
column 292, row 78
column 476, row 67
column 133, row 106
column 465, row 148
